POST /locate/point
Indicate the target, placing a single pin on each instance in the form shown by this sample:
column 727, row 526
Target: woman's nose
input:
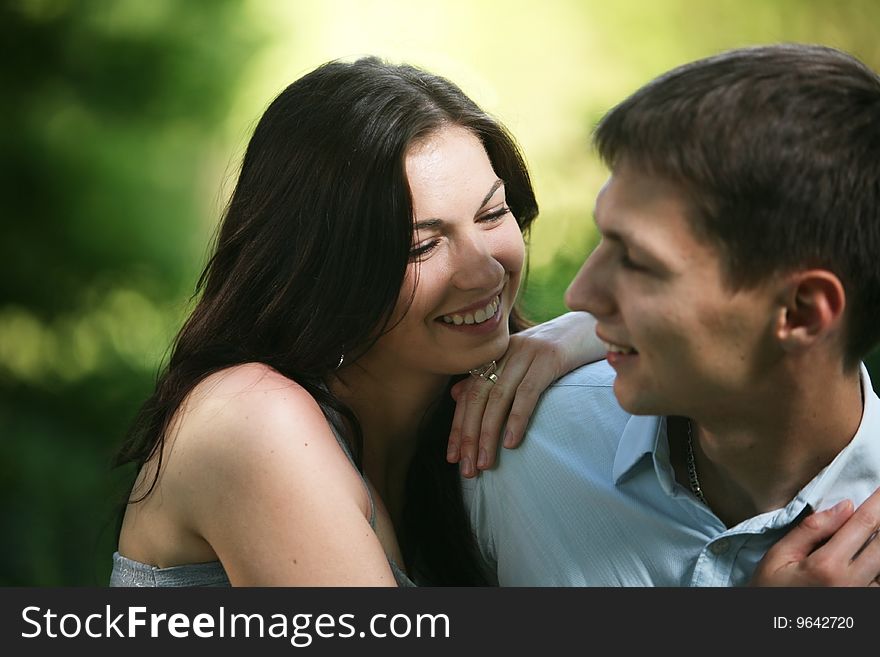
column 475, row 265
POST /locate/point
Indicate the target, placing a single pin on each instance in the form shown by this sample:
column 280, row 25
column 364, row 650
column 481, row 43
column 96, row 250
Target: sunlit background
column 123, row 123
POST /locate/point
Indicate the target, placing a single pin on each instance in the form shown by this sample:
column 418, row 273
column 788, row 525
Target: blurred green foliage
column 109, row 108
column 115, row 141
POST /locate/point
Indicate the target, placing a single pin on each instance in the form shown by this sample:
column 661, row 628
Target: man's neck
column 758, row 461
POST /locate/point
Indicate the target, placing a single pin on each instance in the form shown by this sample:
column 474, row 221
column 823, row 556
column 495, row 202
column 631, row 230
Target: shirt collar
column 641, row 436
column 853, row 474
column 855, row 471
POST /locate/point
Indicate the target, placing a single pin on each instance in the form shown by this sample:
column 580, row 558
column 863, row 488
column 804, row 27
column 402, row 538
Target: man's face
column 681, row 342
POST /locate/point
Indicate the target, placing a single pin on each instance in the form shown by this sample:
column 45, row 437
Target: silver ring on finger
column 486, row 372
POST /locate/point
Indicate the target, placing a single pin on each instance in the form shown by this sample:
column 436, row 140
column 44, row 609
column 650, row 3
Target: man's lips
column 619, row 349
column 615, row 347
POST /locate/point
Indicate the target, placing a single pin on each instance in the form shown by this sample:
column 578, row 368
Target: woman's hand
column 535, row 358
column 835, row 547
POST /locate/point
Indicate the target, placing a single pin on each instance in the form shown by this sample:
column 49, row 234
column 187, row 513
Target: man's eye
column 629, row 263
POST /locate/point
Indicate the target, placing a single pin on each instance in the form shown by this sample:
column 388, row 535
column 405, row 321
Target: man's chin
column 635, row 401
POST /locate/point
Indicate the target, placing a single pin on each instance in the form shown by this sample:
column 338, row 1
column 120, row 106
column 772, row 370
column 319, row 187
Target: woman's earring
column 341, row 360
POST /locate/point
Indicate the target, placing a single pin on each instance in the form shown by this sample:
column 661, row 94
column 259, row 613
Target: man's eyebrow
column 617, row 236
column 631, row 242
column 609, row 234
column 433, row 223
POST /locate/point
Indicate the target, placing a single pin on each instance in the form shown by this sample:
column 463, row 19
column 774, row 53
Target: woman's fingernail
column 467, row 469
column 482, row 458
column 508, row 439
column 840, row 507
column 451, row 453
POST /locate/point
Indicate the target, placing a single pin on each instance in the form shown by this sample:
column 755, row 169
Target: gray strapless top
column 128, row 572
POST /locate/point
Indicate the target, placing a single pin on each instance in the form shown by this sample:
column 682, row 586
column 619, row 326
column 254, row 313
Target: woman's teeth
column 477, row 317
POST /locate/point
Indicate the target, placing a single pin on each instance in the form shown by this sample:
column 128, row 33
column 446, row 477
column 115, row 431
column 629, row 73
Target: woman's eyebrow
column 494, row 189
column 433, row 223
column 427, row 223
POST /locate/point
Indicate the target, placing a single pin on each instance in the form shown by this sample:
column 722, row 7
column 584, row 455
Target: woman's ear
column 813, row 305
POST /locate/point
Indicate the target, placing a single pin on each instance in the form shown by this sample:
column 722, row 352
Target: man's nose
column 590, row 289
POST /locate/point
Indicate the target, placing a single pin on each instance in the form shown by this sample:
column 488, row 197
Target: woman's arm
column 536, row 357
column 835, row 547
column 259, row 475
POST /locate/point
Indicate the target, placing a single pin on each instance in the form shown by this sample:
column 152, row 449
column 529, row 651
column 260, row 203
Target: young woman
column 371, row 251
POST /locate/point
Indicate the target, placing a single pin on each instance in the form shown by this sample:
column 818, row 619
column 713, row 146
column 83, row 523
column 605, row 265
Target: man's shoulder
column 583, row 398
column 587, row 389
column 569, row 447
column 599, row 374
column 574, row 431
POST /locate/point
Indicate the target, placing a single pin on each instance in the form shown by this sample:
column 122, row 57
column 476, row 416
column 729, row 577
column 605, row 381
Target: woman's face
column 465, row 264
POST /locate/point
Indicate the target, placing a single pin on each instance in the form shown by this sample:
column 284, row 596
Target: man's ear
column 812, row 307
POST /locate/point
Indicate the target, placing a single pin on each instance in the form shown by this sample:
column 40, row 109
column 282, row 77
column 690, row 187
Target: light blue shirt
column 590, row 498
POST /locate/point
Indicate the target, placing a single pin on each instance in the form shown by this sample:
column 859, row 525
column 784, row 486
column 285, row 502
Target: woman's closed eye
column 424, row 248
column 494, row 215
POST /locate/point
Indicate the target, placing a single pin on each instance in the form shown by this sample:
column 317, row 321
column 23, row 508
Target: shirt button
column 720, row 546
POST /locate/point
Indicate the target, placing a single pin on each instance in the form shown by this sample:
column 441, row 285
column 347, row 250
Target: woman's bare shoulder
column 245, row 425
column 245, row 409
column 253, row 469
column 248, row 385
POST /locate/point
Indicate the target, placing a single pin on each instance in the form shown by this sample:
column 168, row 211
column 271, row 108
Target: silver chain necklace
column 692, row 468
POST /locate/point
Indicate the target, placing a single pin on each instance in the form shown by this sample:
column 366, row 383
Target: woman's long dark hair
column 310, row 260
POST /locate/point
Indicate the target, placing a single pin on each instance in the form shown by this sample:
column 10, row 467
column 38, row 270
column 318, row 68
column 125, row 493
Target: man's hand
column 835, row 547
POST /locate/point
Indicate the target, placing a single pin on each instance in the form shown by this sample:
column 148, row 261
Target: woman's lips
column 471, row 323
column 477, row 316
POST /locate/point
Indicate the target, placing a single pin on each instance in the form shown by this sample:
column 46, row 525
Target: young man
column 737, row 285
